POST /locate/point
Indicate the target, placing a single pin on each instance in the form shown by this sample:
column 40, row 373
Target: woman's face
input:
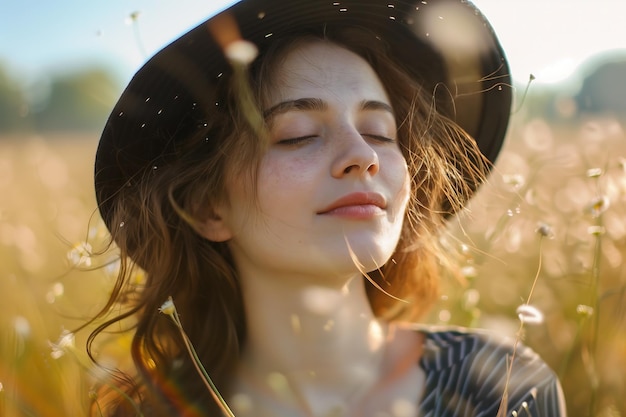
column 333, row 187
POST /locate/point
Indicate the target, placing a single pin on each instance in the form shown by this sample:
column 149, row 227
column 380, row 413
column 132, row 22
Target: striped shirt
column 466, row 375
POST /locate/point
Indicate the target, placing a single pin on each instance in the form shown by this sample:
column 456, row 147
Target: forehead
column 317, row 68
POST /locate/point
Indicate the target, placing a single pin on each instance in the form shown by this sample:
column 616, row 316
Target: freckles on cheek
column 282, row 177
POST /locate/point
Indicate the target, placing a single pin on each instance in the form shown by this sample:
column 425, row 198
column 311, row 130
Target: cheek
column 404, row 196
column 284, row 178
column 400, row 179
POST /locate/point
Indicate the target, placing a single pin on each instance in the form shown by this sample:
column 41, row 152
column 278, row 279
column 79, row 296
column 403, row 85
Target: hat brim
column 447, row 45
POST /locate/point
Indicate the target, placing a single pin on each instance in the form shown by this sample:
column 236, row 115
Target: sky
column 548, row 38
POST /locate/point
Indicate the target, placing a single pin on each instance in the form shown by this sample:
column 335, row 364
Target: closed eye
column 379, row 138
column 300, row 140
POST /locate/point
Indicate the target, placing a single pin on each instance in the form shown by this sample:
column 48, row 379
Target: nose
column 354, row 155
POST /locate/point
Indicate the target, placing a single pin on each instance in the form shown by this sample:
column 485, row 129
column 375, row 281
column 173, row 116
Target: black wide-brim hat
column 446, row 45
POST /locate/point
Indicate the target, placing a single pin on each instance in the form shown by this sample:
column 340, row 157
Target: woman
column 290, row 204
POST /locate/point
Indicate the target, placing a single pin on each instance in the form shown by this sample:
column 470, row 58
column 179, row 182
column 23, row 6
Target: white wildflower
column 598, row 205
column 594, row 172
column 64, row 344
column 529, row 314
column 80, row 254
column 168, row 307
column 469, row 271
column 596, row 230
column 544, row 230
column 584, row 311
column 515, row 181
column 241, row 51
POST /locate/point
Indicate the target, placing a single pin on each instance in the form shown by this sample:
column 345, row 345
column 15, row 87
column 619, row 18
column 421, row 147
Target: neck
column 323, row 343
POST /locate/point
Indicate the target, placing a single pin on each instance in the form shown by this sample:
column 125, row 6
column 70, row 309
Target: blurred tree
column 12, row 104
column 77, row 101
column 538, row 101
column 604, row 87
column 598, row 87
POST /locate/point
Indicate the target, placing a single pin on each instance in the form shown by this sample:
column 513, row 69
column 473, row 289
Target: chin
column 368, row 259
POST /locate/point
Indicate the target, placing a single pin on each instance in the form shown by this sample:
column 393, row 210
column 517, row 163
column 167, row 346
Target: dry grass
column 568, row 182
column 45, row 207
column 545, row 177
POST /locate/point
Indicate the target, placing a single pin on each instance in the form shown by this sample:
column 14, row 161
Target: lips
column 358, row 200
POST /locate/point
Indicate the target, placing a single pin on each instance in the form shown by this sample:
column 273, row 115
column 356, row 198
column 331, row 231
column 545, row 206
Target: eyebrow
column 301, row 104
column 376, row 105
column 316, row 104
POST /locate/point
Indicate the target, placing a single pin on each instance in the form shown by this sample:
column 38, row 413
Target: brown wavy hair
column 445, row 165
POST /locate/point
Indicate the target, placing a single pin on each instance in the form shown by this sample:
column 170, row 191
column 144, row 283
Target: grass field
column 555, row 210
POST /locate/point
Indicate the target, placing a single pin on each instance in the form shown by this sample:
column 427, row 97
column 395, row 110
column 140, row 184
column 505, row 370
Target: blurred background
column 553, row 212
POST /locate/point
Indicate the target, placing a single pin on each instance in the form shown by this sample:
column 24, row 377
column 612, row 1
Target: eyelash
column 303, row 139
column 380, row 138
column 295, row 141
